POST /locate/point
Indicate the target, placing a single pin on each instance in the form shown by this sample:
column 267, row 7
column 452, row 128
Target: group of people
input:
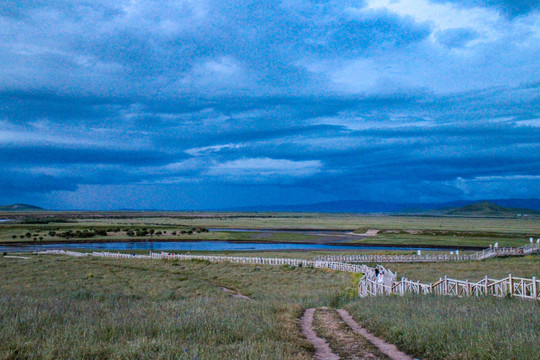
column 379, row 274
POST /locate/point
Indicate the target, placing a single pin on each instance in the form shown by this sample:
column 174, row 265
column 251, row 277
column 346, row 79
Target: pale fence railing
column 385, row 283
column 510, row 286
column 480, row 255
column 353, row 268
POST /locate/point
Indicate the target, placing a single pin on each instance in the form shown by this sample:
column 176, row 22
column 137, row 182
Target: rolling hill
column 486, row 208
column 20, row 207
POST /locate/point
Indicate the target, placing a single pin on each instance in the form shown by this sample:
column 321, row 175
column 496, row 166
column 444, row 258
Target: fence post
column 534, row 289
column 445, row 285
column 511, row 284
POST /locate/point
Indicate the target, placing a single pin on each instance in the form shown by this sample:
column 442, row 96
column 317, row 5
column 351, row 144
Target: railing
column 353, row 268
column 510, row 286
column 480, row 255
column 380, row 281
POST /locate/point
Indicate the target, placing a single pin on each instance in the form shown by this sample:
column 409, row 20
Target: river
column 195, row 246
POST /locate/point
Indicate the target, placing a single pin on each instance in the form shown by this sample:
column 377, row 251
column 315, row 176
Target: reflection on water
column 194, row 246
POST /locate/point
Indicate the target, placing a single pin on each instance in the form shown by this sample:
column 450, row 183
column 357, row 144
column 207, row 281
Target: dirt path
column 322, row 350
column 389, row 350
column 370, row 232
column 342, row 339
column 335, row 335
column 235, row 294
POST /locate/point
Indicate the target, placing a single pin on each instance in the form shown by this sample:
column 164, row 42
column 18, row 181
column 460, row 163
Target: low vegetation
column 437, row 327
column 94, row 308
column 398, row 230
column 69, row 308
column 69, row 232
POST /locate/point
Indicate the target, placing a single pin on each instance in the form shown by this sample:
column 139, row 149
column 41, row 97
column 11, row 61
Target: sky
column 195, row 104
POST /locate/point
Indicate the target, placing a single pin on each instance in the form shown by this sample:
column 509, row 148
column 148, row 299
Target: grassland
column 398, row 230
column 453, row 328
column 60, row 307
column 94, row 308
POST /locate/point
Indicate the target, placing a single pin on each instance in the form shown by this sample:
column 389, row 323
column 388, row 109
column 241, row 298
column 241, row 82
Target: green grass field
column 94, row 308
column 399, row 230
column 61, row 307
column 436, row 327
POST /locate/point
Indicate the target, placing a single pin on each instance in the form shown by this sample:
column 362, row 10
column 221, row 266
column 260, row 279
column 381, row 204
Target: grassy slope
column 437, row 327
column 61, row 307
column 448, row 328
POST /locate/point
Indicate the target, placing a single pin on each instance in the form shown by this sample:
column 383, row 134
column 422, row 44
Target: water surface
column 195, row 246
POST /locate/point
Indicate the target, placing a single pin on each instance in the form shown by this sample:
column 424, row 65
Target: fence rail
column 509, row 286
column 480, row 255
column 333, row 265
column 376, row 281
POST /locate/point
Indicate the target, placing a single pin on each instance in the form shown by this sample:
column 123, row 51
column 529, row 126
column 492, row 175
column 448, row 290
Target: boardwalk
column 333, row 265
column 480, row 255
column 380, row 281
column 510, row 286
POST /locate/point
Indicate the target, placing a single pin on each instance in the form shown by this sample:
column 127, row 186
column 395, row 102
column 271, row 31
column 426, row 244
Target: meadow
column 94, row 308
column 392, row 230
column 454, row 328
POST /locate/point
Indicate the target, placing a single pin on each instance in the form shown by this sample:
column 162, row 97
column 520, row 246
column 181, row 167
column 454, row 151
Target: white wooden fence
column 480, row 255
column 371, row 284
column 353, row 268
column 509, row 286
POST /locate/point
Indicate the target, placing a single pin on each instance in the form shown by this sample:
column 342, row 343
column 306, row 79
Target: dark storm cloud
column 273, row 101
column 46, row 155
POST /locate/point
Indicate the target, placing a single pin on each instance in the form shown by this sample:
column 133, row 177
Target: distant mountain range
column 361, row 206
column 494, row 207
column 20, row 207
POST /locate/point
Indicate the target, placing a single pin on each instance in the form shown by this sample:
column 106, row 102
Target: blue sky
column 208, row 104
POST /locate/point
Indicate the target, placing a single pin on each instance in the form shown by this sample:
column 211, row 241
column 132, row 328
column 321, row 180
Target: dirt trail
column 322, row 350
column 235, row 294
column 388, row 349
column 335, row 335
column 370, row 232
column 342, row 339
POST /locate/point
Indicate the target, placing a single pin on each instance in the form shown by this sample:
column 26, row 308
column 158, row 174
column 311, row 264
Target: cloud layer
column 208, row 104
